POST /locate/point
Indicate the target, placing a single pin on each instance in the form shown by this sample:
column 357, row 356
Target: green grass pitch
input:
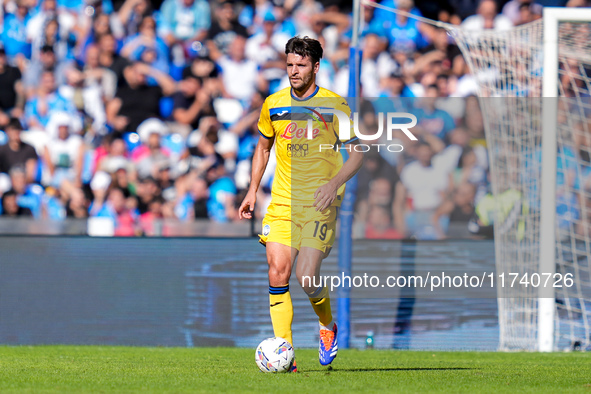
column 68, row 369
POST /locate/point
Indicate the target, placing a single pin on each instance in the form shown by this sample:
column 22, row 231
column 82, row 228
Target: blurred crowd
column 138, row 111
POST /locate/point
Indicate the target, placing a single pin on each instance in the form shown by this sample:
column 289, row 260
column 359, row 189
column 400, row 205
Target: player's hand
column 325, row 195
column 247, row 207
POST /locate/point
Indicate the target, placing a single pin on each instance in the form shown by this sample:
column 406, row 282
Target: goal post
column 534, row 88
column 552, row 16
column 538, row 128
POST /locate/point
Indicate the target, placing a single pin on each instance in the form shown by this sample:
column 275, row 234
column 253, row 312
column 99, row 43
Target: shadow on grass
column 386, row 369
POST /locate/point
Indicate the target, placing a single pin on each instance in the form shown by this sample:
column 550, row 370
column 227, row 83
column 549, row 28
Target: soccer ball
column 274, row 355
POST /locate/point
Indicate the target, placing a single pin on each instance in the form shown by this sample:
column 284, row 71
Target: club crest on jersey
column 316, row 115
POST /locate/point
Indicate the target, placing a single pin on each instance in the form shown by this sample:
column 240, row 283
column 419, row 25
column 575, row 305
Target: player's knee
column 309, row 282
column 279, row 274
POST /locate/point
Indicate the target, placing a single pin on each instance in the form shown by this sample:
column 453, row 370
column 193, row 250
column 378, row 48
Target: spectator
column 371, row 24
column 100, row 10
column 14, row 34
column 284, row 19
column 420, row 192
column 99, row 26
column 27, row 196
column 146, row 190
column 458, row 210
column 147, row 220
column 113, row 154
column 77, row 205
column 433, row 120
column 117, row 209
column 395, row 87
column 515, row 9
column 224, row 29
column 211, row 144
column 87, row 96
column 375, row 67
column 46, row 102
column 97, row 75
column 10, row 207
column 165, row 177
column 487, row 18
column 110, row 59
column 239, row 75
column 11, row 94
column 200, row 196
column 222, row 194
column 150, row 153
column 248, row 134
column 329, row 26
column 119, row 169
column 375, row 167
column 64, row 153
column 131, row 14
column 64, row 21
column 459, row 144
column 469, row 171
column 474, row 121
column 203, row 67
column 251, row 16
column 146, row 44
column 267, row 49
column 50, row 36
column 379, row 225
column 404, row 34
column 53, row 204
column 380, row 192
column 114, row 96
column 528, row 13
column 17, row 153
column 464, row 8
column 442, row 49
column 185, row 21
column 302, row 15
column 136, row 101
column 46, row 61
column 192, row 101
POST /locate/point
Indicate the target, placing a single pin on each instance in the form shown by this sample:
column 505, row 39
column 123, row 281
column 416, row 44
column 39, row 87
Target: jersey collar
column 304, row 98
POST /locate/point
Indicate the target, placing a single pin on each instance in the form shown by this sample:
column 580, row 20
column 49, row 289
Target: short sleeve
column 404, row 175
column 265, row 127
column 17, row 73
column 31, row 153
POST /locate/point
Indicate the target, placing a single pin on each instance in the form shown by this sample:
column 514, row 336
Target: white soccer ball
column 274, row 355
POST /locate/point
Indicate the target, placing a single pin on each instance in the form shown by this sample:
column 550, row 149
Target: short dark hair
column 305, row 47
column 47, row 48
column 424, row 143
column 10, row 193
column 14, row 123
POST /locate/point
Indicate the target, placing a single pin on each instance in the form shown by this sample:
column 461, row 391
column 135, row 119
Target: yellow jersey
column 303, row 163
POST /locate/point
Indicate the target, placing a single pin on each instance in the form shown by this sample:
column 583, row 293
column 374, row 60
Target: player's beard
column 303, row 83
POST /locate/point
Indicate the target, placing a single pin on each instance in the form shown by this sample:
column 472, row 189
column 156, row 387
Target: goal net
column 512, row 73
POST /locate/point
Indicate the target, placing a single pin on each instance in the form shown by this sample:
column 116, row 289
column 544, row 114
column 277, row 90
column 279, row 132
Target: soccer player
column 308, row 188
